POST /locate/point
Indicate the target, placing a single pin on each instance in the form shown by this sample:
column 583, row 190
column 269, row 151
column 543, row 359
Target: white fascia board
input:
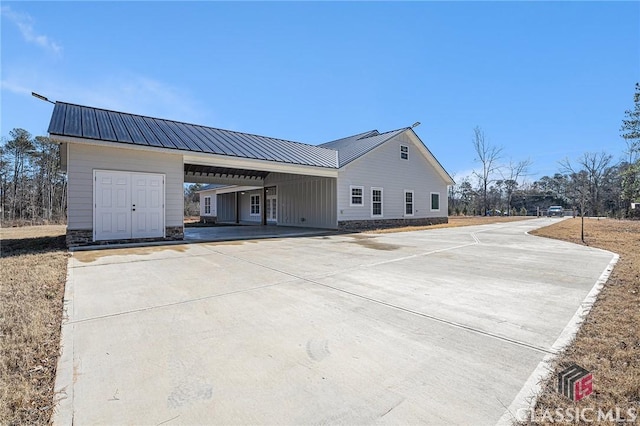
column 121, row 145
column 229, row 189
column 215, row 189
column 205, row 159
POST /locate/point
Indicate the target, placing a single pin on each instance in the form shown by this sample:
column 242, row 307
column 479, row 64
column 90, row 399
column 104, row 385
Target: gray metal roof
column 99, row 124
column 353, row 147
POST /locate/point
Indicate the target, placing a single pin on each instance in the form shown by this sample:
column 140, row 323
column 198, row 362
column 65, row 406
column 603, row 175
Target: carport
column 126, row 174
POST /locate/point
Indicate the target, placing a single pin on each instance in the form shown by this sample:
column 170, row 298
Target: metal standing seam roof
column 99, row 124
column 353, row 147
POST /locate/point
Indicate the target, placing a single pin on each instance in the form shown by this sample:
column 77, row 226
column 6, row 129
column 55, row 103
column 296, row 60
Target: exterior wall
column 226, row 207
column 383, row 168
column 212, row 215
column 305, row 200
column 245, row 206
column 83, row 159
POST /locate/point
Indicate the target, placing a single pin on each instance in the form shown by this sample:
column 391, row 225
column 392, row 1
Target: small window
column 404, row 152
column 255, row 205
column 207, row 205
column 356, row 196
column 376, row 202
column 408, row 203
column 435, row 201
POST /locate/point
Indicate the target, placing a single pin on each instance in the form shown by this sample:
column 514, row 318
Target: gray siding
column 84, row 159
column 305, row 200
column 226, row 207
column 245, row 206
column 383, row 168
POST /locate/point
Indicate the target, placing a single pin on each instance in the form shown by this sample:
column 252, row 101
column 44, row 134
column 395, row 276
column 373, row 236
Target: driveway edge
column 63, row 388
column 528, row 395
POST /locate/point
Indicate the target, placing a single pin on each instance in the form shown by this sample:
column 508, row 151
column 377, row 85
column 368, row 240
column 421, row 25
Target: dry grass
column 455, row 221
column 33, row 261
column 608, row 342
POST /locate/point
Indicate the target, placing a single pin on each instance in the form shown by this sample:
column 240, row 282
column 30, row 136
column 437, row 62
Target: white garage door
column 128, row 205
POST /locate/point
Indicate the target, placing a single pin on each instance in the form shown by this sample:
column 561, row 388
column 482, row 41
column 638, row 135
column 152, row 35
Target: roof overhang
column 257, row 165
column 213, row 160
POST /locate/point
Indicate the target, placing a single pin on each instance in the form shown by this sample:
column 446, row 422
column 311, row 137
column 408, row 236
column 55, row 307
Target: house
column 208, row 204
column 126, row 173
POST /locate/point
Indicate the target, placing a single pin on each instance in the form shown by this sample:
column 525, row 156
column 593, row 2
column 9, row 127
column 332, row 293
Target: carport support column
column 237, row 207
column 264, row 205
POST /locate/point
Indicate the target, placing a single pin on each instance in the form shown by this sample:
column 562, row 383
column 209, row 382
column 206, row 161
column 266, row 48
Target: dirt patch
column 93, row 255
column 455, row 221
column 33, row 261
column 608, row 342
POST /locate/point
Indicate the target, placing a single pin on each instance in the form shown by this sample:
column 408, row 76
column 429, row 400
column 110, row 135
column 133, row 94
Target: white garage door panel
column 148, row 200
column 112, row 206
column 128, row 205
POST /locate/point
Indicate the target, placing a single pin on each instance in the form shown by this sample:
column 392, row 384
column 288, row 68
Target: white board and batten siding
column 85, row 159
column 213, row 206
column 245, row 206
column 308, row 201
column 384, row 168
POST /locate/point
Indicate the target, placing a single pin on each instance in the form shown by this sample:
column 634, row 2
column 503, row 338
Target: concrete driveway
column 444, row 326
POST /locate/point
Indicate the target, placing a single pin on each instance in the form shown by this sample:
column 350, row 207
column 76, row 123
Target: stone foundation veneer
column 84, row 237
column 364, row 225
column 79, row 237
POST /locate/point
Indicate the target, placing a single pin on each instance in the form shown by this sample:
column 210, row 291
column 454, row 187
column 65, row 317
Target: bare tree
column 597, row 166
column 514, row 171
column 488, row 155
column 586, row 182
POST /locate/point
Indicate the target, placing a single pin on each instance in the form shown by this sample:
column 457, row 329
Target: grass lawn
column 33, row 265
column 608, row 342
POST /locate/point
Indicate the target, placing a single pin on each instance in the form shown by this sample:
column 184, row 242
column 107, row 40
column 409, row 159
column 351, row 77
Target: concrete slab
column 244, row 232
column 441, row 326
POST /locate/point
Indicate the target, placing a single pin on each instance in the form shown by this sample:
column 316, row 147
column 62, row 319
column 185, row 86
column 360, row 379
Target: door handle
column 133, row 209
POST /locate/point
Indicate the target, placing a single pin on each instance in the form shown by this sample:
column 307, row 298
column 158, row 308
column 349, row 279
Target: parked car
column 555, row 211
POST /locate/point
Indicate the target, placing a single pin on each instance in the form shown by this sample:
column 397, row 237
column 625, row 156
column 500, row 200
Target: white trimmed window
column 404, row 152
column 207, row 205
column 357, row 196
column 408, row 203
column 255, row 205
column 376, row 202
column 435, row 201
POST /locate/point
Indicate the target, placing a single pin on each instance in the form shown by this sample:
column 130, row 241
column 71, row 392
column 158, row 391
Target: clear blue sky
column 545, row 80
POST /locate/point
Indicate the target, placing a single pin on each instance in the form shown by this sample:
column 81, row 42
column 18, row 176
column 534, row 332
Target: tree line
column 592, row 184
column 33, row 188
